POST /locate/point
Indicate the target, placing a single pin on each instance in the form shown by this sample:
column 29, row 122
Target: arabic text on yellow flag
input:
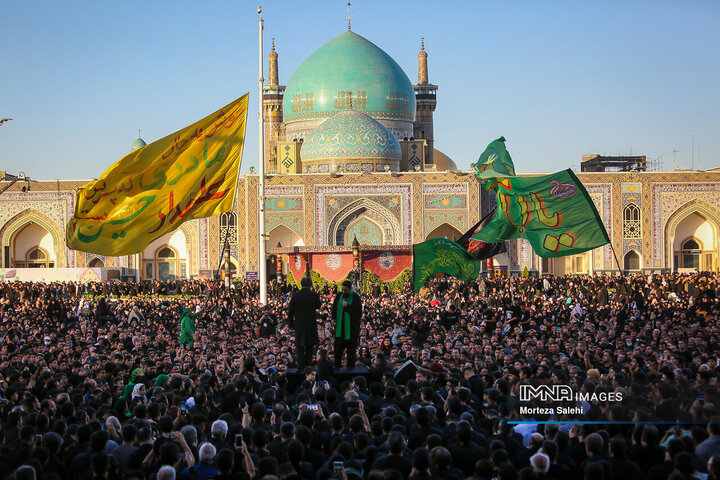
column 150, row 192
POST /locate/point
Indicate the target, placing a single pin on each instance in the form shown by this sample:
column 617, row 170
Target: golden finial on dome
column 422, row 44
column 348, row 17
column 273, row 44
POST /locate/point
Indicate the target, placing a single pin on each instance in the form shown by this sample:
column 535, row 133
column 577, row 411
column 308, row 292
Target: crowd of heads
column 95, row 383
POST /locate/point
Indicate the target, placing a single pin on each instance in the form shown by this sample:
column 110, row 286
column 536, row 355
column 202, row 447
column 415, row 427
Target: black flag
column 477, row 248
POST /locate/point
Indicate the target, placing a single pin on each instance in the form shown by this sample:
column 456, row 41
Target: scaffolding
column 601, row 163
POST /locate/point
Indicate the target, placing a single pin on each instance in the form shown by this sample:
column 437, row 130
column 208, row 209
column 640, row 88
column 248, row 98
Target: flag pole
column 616, row 260
column 262, row 267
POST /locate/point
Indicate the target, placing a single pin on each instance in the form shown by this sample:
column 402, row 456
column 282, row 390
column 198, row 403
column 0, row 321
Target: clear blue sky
column 558, row 79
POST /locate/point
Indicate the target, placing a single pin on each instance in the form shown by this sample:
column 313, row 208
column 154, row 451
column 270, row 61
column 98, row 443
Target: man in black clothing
column 663, row 470
column 648, row 453
column 268, row 323
column 302, row 316
column 620, row 467
column 394, row 460
column 346, row 311
column 466, row 452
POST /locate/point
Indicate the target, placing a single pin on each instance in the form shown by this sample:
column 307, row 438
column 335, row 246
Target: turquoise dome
column 349, row 72
column 139, row 143
column 351, row 135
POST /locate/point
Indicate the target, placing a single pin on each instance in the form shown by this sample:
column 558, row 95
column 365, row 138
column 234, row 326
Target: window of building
column 36, row 257
column 631, row 221
column 228, row 229
column 166, row 265
column 691, row 251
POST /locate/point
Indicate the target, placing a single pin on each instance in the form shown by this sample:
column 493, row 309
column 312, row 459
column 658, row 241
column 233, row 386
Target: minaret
column 273, row 67
column 273, row 111
column 426, row 99
column 422, row 64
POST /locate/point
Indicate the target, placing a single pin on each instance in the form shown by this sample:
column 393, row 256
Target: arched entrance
column 695, row 243
column 631, row 262
column 369, row 222
column 572, row 264
column 32, row 246
column 283, row 236
column 96, row 263
column 166, row 258
column 445, row 231
column 27, row 230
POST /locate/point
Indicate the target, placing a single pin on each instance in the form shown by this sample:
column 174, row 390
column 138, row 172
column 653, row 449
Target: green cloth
column 554, row 212
column 440, row 255
column 187, row 327
column 127, row 391
column 161, row 380
column 494, row 162
column 343, row 319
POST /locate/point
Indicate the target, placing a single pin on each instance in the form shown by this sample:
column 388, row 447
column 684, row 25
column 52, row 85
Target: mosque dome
column 349, row 72
column 139, row 143
column 442, row 162
column 353, row 139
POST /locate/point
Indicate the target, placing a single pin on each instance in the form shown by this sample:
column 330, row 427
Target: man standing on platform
column 302, row 317
column 347, row 310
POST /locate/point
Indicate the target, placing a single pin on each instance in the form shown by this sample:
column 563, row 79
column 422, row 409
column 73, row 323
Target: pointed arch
column 445, row 230
column 366, row 229
column 285, row 235
column 632, row 261
column 96, row 262
column 364, row 207
column 704, row 210
column 181, row 242
column 13, row 226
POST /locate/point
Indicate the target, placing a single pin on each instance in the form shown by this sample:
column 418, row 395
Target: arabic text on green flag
column 554, row 212
column 440, row 255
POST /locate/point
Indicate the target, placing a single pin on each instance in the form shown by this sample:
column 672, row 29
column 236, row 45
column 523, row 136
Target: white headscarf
column 136, row 391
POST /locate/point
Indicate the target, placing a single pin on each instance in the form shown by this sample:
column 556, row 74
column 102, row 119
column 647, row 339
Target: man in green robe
column 347, row 311
column 187, row 326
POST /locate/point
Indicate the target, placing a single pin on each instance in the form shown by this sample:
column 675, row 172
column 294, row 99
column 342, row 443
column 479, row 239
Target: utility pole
column 692, row 164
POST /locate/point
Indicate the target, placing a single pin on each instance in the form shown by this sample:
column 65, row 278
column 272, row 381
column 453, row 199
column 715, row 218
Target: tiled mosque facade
column 350, row 154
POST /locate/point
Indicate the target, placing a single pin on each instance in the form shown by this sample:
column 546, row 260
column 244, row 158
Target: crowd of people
column 184, row 380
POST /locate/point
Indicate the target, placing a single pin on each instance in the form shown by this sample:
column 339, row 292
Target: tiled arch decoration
column 367, row 203
column 20, row 220
column 695, row 206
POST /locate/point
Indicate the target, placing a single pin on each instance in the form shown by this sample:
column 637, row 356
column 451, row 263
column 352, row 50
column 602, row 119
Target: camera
column 238, row 440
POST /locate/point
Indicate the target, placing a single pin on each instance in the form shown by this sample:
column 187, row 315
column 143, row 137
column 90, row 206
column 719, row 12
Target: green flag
column 554, row 212
column 440, row 255
column 494, row 162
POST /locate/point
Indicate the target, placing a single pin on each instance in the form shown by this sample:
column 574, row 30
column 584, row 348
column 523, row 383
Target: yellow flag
column 150, row 192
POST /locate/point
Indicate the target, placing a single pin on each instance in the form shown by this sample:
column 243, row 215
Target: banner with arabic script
column 554, row 212
column 440, row 255
column 189, row 174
